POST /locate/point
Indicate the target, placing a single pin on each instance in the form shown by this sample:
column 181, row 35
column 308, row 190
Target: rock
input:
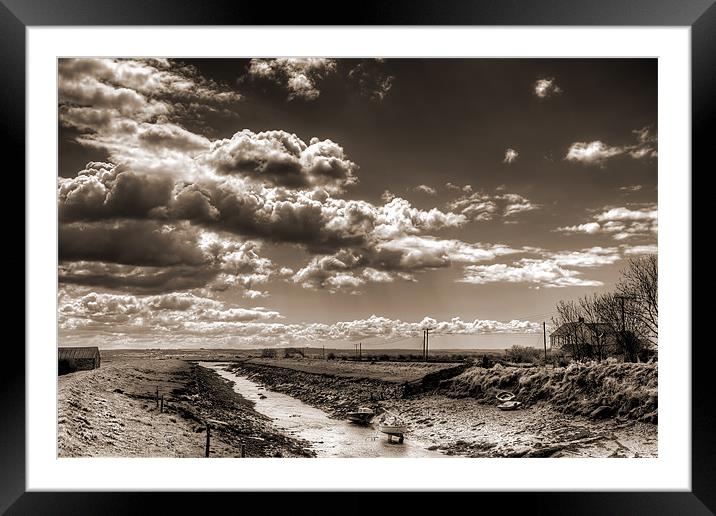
column 601, row 412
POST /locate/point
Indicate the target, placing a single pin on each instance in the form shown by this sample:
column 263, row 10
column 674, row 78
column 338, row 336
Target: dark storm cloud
column 133, row 278
column 153, row 256
column 103, row 190
column 282, row 159
column 130, row 242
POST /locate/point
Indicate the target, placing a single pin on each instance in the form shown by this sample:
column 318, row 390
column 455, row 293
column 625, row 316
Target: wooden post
column 208, row 437
column 161, row 404
column 156, row 396
column 243, row 450
column 544, row 338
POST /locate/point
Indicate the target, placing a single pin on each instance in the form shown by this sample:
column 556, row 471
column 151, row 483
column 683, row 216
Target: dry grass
column 629, row 390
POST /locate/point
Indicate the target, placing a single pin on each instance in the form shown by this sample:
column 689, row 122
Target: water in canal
column 329, row 437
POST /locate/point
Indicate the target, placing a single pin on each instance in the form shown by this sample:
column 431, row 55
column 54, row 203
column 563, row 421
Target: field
column 391, row 372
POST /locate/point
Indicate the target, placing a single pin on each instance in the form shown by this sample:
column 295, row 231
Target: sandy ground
column 390, row 372
column 111, row 411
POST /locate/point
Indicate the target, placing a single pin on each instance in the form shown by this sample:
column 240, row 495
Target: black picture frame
column 17, row 15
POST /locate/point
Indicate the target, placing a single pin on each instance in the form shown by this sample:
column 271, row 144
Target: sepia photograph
column 314, row 257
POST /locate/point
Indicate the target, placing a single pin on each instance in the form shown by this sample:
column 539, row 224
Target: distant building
column 585, row 340
column 77, row 359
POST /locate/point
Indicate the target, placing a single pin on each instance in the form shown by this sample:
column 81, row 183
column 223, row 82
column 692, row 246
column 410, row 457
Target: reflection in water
column 329, row 437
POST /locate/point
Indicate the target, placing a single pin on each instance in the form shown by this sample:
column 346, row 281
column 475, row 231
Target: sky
column 245, row 203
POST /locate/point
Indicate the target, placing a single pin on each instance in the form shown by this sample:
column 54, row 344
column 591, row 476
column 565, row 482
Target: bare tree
column 594, row 326
column 639, row 281
column 575, row 340
column 626, row 330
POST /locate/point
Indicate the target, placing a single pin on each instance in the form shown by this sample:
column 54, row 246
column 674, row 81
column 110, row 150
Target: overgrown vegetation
column 627, row 390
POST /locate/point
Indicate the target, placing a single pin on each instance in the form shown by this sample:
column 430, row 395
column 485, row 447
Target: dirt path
column 111, row 411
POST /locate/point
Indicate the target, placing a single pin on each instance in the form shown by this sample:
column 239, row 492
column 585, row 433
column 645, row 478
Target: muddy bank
column 626, row 391
column 335, row 395
column 465, row 427
column 112, row 411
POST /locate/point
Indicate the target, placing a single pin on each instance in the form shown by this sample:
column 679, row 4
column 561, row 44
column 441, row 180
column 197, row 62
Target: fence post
column 208, row 436
column 156, row 396
column 243, row 450
column 161, row 404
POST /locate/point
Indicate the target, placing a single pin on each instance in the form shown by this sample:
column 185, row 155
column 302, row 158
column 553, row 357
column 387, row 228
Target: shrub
column 523, row 354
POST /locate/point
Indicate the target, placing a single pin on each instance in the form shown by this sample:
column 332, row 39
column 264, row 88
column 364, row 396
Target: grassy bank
column 625, row 390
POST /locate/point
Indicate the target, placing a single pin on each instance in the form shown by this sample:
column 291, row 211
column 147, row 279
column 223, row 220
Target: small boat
column 509, row 405
column 392, row 425
column 362, row 416
column 505, row 396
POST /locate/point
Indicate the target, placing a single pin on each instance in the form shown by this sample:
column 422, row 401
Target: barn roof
column 571, row 327
column 78, row 352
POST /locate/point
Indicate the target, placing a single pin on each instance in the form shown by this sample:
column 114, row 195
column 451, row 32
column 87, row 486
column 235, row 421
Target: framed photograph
column 426, row 251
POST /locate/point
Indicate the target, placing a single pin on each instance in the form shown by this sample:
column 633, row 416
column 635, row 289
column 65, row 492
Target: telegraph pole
column 427, row 343
column 360, row 350
column 423, row 344
column 544, row 339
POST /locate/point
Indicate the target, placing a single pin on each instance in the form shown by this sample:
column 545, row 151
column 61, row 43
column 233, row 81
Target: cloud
column 387, row 196
column 185, row 320
column 153, row 256
column 120, row 313
column 510, row 156
column 300, row 76
column 102, row 96
column 371, row 78
column 641, row 249
column 428, row 190
column 591, row 257
column 396, row 258
column 546, row 87
column 481, row 206
column 620, row 222
column 550, row 269
column 281, row 159
column 148, row 77
column 593, row 152
column 598, row 152
column 465, row 189
column 546, row 273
